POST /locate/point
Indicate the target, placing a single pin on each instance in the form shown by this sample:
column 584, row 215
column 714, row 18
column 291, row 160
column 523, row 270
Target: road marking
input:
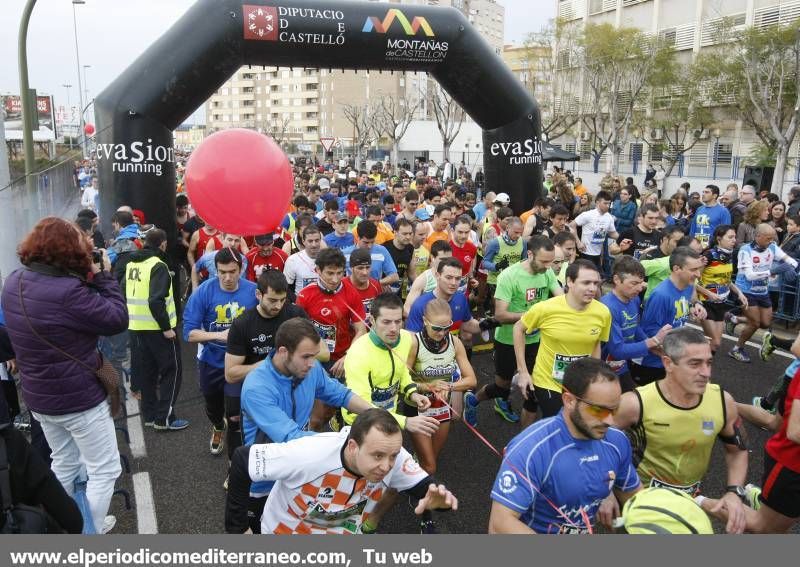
column 145, row 509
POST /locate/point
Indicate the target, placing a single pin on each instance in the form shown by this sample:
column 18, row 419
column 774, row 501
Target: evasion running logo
column 373, row 24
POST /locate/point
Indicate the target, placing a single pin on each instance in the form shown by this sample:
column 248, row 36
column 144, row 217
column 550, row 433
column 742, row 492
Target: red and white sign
column 327, row 143
column 260, row 22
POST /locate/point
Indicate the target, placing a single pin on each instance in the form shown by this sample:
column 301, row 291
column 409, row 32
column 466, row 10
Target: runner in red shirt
column 465, row 251
column 333, row 307
column 366, row 287
column 336, row 311
column 264, row 255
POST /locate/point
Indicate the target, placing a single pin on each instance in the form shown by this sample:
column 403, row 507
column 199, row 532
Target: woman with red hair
column 56, row 306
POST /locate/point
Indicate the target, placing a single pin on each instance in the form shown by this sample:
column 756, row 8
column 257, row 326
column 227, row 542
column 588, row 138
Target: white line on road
column 145, row 508
column 749, row 343
column 136, row 435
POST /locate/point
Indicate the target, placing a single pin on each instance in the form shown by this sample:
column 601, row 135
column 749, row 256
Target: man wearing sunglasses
column 556, row 473
column 675, row 422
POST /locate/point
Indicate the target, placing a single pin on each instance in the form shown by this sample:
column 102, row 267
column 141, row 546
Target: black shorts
column 644, row 375
column 596, row 260
column 758, row 301
column 780, row 488
column 549, row 401
column 715, row 310
column 505, row 362
column 626, row 381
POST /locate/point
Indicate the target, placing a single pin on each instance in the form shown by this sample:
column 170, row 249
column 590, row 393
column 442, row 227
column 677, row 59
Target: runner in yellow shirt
column 571, row 326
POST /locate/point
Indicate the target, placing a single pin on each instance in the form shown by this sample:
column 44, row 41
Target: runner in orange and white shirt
column 330, row 483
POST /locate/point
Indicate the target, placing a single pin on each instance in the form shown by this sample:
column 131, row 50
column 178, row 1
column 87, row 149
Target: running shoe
column 767, row 348
column 739, row 354
column 730, row 323
column 428, row 527
column 504, row 410
column 174, row 425
column 150, row 423
column 751, row 496
column 471, row 408
column 757, row 403
column 217, row 443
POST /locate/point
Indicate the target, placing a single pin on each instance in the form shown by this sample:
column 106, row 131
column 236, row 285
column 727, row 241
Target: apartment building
column 689, row 26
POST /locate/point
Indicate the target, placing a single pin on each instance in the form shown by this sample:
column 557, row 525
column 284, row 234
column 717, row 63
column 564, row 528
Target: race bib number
column 759, row 287
column 438, row 410
column 691, row 489
column 573, row 530
column 328, row 335
column 384, row 398
column 560, row 364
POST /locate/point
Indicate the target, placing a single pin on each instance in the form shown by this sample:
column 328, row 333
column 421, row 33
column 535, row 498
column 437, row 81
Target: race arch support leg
column 512, row 157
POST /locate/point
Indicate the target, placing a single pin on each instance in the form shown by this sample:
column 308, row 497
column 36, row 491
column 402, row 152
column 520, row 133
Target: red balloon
column 239, row 181
column 88, row 128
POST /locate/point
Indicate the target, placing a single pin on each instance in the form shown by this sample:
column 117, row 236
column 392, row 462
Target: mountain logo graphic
column 373, row 24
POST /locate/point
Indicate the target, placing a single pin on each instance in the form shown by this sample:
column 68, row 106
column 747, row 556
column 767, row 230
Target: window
column 656, row 152
column 635, row 151
column 724, row 153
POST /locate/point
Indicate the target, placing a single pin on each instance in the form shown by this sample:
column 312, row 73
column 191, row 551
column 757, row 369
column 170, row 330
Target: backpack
column 16, row 518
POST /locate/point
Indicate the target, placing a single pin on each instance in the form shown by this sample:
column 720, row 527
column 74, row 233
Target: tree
column 680, row 111
column 553, row 90
column 362, row 119
column 766, row 64
column 277, row 128
column 393, row 117
column 449, row 117
column 618, row 66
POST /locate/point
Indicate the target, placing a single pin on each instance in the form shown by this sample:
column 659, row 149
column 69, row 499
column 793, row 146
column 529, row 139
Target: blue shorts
column 212, row 381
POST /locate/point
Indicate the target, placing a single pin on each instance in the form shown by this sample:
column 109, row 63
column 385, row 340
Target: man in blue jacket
column 278, row 396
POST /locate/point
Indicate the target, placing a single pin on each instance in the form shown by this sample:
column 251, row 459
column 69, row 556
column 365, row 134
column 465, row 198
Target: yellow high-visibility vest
column 137, row 292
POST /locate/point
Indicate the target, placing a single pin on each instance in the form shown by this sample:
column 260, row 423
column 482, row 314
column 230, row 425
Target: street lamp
column 716, row 133
column 28, row 108
column 69, row 110
column 637, row 133
column 85, row 82
column 80, row 85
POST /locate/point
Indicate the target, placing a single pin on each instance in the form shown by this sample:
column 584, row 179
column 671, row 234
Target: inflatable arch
column 138, row 112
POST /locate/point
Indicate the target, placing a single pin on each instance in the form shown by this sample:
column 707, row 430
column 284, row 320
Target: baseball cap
column 502, row 198
column 340, row 216
column 263, row 239
column 664, row 511
column 422, row 214
column 324, row 183
column 138, row 215
column 352, row 175
column 360, row 257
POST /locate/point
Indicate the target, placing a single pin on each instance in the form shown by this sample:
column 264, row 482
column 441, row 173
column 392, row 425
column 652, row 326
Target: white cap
column 324, row 183
column 502, row 198
column 352, row 175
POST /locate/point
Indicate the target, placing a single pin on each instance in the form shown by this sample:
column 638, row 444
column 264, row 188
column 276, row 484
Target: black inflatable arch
column 138, row 112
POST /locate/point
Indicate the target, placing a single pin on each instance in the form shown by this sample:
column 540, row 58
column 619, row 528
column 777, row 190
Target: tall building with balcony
column 689, row 26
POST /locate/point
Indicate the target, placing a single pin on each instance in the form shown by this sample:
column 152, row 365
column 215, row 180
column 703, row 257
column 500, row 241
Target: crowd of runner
column 320, row 343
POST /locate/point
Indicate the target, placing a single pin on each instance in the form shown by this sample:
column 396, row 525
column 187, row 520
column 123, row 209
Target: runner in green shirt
column 518, row 288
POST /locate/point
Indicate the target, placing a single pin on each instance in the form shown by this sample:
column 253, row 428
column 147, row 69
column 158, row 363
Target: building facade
column 689, row 26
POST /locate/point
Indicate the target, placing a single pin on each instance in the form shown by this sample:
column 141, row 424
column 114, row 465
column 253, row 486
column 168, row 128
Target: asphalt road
column 187, row 480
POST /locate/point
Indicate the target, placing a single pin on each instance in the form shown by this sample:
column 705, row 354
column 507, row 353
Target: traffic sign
column 327, row 143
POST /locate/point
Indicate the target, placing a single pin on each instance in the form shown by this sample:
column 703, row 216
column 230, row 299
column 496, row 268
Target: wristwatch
column 737, row 490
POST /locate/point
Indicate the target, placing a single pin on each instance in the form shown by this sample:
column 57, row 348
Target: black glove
column 488, row 324
column 501, row 265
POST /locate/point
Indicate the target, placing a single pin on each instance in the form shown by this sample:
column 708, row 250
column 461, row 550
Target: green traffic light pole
column 28, row 108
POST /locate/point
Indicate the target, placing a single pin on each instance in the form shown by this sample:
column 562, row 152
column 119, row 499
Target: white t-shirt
column 87, row 199
column 595, row 230
column 299, row 270
column 314, row 493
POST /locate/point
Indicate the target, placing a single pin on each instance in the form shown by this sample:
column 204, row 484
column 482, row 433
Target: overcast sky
column 112, row 33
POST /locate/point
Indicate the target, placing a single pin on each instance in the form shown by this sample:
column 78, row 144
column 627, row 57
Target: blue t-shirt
column 212, row 309
column 545, row 460
column 382, row 263
column 206, row 262
column 626, row 340
column 271, row 405
column 340, row 242
column 666, row 305
column 459, row 306
column 706, row 220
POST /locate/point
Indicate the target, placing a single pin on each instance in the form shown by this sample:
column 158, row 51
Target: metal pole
column 28, row 108
column 85, row 82
column 80, row 83
column 716, row 157
column 69, row 110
